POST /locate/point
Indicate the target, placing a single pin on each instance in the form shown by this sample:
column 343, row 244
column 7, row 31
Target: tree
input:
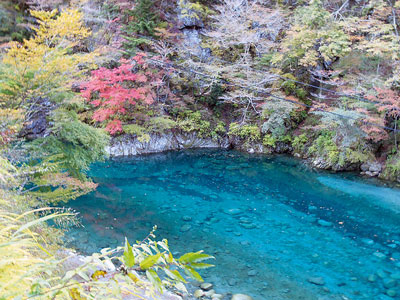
column 117, row 93
column 46, row 64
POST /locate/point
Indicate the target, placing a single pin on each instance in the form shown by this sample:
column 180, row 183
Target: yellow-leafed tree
column 45, row 64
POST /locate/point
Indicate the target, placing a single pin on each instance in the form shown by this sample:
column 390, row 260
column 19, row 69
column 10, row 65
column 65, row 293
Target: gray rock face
column 127, row 145
column 38, row 124
column 371, row 168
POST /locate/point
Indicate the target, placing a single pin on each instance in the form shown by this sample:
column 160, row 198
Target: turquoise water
column 273, row 224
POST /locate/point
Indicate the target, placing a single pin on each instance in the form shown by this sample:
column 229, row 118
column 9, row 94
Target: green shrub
column 190, row 121
column 249, row 133
column 269, row 141
column 299, row 142
column 326, row 147
column 139, row 131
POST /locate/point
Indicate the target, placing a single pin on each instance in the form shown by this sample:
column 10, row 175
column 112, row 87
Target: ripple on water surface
column 278, row 230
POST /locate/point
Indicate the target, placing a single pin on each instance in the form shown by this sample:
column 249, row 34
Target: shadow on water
column 278, row 230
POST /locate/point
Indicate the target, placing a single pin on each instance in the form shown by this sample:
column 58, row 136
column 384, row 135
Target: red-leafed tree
column 115, row 93
column 387, row 102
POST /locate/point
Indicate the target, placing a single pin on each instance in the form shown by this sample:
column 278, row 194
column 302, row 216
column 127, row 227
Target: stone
column 395, row 275
column 389, row 283
column 372, row 278
column 198, row 293
column 324, row 223
column 241, row 297
column 367, row 241
column 217, row 297
column 185, row 228
column 381, row 273
column 252, row 273
column 391, row 293
column 248, row 226
column 206, row 286
column 379, row 255
column 209, row 293
column 316, row 280
column 233, row 211
column 232, row 282
column 187, row 218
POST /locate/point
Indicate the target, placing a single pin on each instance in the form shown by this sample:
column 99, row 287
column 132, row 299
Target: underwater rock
column 241, row 297
column 198, row 293
column 316, row 280
column 389, row 283
column 185, row 228
column 324, row 223
column 248, row 225
column 233, row 211
column 206, row 286
column 391, row 293
column 379, row 255
column 187, row 218
column 232, row 281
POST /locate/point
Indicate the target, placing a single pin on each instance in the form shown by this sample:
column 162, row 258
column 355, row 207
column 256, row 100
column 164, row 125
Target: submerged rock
column 241, row 297
column 316, row 280
column 206, row 286
column 185, row 228
column 324, row 223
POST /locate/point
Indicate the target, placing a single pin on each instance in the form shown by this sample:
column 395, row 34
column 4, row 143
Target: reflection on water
column 277, row 229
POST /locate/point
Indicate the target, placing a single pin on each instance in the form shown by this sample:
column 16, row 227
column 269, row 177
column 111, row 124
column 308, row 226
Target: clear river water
column 277, row 229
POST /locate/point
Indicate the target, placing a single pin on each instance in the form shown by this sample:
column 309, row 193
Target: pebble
column 372, row 278
column 187, row 218
column 389, row 283
column 324, row 223
column 381, row 273
column 252, row 273
column 233, row 211
column 395, row 276
column 198, row 293
column 391, row 293
column 248, row 226
column 379, row 255
column 206, row 286
column 232, row 282
column 185, row 228
column 217, row 297
column 209, row 293
column 367, row 241
column 316, row 280
column 241, row 297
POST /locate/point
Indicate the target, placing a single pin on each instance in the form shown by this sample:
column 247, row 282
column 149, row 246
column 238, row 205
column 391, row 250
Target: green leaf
column 174, row 274
column 129, row 258
column 149, row 261
column 192, row 273
column 201, row 265
column 154, row 279
column 192, row 257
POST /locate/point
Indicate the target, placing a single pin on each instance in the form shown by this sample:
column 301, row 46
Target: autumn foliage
column 115, row 93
